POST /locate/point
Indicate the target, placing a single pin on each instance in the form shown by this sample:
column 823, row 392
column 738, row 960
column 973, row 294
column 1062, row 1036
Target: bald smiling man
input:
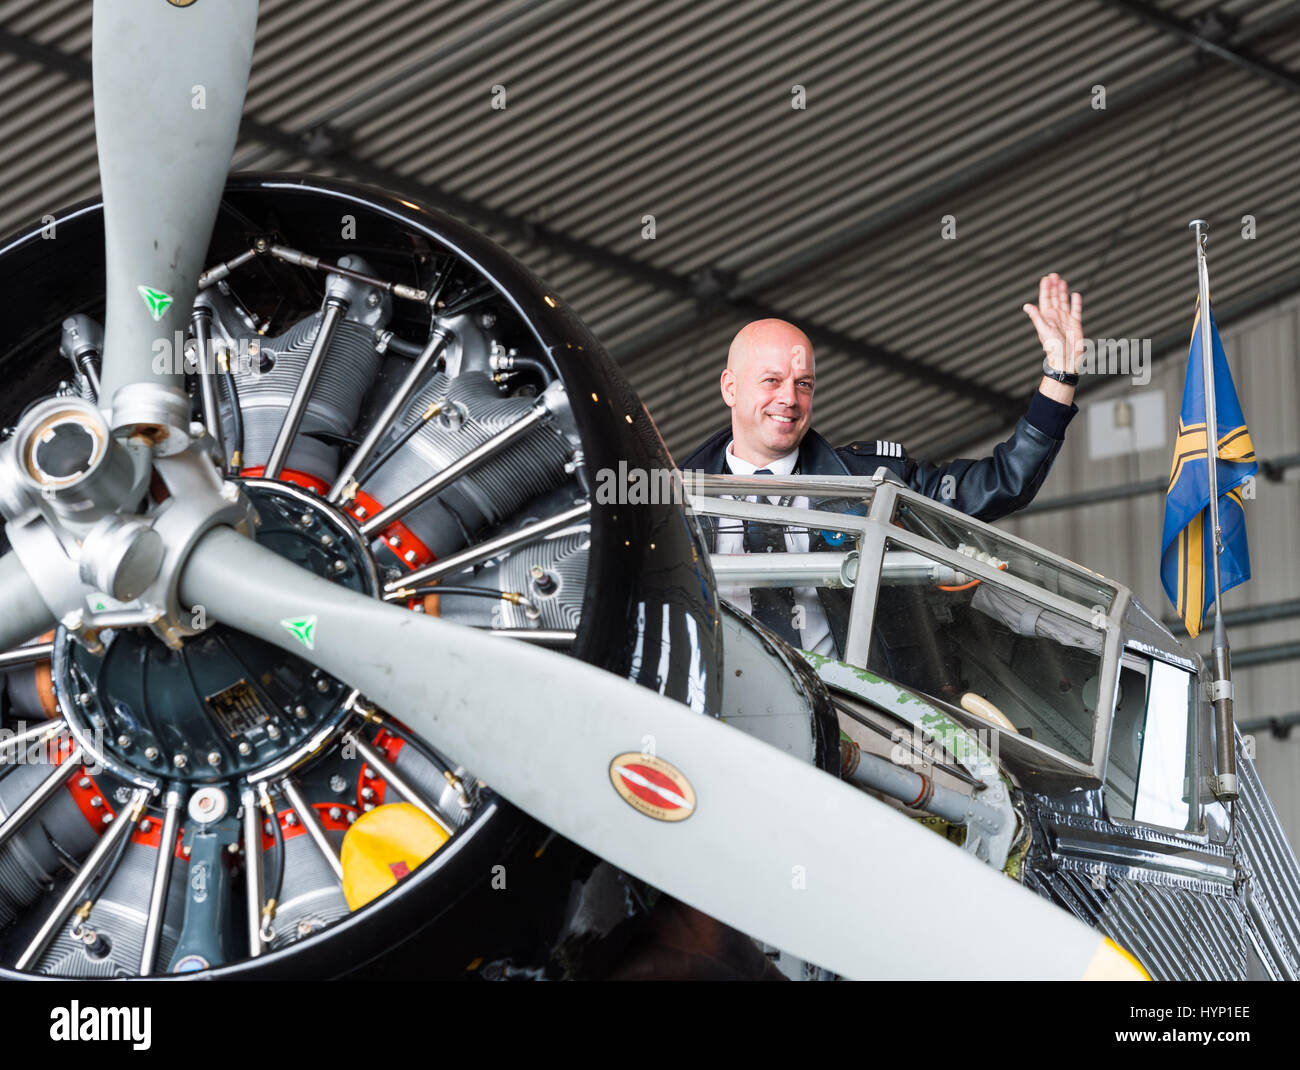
column 769, row 384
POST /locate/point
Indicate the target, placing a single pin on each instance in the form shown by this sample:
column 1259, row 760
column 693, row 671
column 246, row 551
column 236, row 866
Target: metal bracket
column 1224, row 787
column 1220, row 689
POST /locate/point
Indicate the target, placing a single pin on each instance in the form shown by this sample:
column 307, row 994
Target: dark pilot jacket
column 987, row 489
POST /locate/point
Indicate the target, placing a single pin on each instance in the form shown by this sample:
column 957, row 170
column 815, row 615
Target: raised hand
column 1058, row 319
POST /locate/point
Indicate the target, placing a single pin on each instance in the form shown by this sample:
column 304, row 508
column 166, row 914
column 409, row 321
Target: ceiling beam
column 1220, row 45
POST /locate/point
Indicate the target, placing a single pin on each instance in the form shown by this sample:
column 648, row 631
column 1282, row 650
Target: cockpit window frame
column 1201, row 831
column 706, row 496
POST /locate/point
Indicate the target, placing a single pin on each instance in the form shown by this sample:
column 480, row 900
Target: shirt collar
column 782, row 466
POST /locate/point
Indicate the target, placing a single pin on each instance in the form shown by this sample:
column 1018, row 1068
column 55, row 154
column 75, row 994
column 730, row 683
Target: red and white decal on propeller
column 656, row 788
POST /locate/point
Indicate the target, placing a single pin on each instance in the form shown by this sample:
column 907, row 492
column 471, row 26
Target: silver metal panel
column 1272, row 871
column 1176, row 933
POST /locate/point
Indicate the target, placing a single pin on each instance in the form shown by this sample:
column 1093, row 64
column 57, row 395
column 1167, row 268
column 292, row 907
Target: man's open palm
column 1058, row 319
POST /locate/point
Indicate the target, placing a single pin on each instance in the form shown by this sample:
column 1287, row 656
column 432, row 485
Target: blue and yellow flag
column 1186, row 567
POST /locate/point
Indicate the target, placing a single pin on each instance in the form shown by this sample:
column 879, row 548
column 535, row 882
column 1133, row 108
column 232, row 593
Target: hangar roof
column 829, row 214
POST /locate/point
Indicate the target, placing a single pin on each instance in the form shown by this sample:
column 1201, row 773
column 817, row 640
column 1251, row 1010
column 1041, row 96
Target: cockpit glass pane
column 987, row 649
column 957, row 532
column 796, row 579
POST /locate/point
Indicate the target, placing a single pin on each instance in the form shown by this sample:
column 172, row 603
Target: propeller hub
column 225, row 706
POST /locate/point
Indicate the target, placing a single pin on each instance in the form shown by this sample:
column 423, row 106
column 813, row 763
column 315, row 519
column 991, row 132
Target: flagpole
column 1225, row 784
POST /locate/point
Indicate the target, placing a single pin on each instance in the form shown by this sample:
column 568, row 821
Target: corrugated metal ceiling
column 682, row 109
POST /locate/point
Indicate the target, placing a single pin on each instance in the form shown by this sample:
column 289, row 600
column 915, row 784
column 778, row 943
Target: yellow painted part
column 982, row 707
column 1112, row 963
column 382, row 846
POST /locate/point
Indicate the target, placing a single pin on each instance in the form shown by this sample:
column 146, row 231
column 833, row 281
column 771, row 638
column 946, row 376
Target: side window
column 1150, row 770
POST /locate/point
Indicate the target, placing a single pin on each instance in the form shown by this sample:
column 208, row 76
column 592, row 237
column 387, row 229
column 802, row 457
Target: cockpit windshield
column 931, row 599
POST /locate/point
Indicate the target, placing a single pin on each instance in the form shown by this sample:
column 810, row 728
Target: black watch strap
column 1068, row 378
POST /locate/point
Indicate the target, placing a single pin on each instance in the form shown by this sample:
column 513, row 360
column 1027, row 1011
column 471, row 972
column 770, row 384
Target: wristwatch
column 1068, row 378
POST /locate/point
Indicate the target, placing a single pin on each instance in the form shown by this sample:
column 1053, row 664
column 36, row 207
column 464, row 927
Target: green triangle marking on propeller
column 157, row 301
column 303, row 629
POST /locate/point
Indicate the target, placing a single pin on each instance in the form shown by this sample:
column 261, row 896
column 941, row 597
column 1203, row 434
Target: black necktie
column 773, row 607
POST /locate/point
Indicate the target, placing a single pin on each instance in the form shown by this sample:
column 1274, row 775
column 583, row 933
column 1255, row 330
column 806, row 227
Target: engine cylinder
column 472, row 412
column 29, row 861
column 311, row 897
column 118, row 921
column 349, row 369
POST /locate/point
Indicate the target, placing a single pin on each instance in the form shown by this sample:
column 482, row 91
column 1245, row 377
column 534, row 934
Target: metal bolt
column 305, row 519
column 351, row 816
column 367, row 793
column 368, row 773
column 335, row 813
column 233, row 848
column 396, row 540
column 151, row 753
column 84, row 782
column 244, row 748
column 107, row 819
column 368, row 807
column 338, row 783
column 214, row 758
column 273, row 731
column 179, row 760
column 96, row 802
column 322, row 685
column 266, row 827
column 146, row 825
column 291, row 819
column 84, row 698
column 339, row 565
column 186, row 851
column 327, row 540
column 301, row 712
column 409, row 556
column 372, row 299
column 123, row 740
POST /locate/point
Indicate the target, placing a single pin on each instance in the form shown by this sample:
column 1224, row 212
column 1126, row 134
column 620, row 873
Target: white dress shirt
column 815, row 635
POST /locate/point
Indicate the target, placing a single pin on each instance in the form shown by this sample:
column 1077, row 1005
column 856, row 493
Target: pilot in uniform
column 768, row 385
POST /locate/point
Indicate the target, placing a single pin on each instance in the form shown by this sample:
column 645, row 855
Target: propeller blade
column 169, row 91
column 23, row 613
column 744, row 832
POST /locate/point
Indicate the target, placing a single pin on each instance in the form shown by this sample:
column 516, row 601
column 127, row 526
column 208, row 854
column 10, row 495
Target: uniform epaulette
column 878, row 448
